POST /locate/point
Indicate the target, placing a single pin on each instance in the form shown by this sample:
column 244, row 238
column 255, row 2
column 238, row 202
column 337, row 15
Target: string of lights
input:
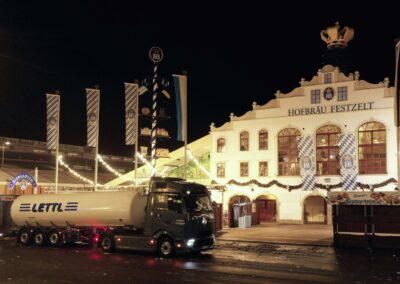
column 200, row 166
column 109, row 168
column 144, row 160
column 74, row 172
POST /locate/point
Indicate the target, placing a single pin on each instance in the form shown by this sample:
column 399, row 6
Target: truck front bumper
column 199, row 244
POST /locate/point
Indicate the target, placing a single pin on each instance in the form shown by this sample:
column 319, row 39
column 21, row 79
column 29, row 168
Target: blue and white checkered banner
column 93, row 110
column 348, row 161
column 307, row 164
column 53, row 119
column 131, row 115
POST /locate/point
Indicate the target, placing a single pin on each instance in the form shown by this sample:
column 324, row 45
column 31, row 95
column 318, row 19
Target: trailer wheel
column 39, row 238
column 165, row 247
column 55, row 239
column 107, row 243
column 24, row 237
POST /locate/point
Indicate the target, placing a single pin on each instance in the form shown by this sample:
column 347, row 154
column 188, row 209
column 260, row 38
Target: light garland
column 144, row 160
column 164, row 171
column 108, row 167
column 74, row 172
column 201, row 167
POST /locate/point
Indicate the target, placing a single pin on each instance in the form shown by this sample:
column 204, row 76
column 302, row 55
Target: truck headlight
column 190, row 242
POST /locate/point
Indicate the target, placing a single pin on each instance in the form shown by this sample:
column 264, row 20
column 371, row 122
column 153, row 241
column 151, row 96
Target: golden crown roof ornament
column 336, row 37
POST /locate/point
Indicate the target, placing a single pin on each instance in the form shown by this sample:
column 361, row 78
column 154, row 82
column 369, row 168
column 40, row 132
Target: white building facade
column 256, row 156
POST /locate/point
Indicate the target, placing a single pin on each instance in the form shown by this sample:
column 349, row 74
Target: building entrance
column 315, row 211
column 267, row 208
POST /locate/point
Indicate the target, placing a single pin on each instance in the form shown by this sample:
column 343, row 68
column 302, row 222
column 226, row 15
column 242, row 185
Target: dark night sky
column 234, row 54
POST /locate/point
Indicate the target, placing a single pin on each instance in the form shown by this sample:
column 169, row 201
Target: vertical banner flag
column 180, row 83
column 131, row 119
column 348, row 161
column 307, row 165
column 53, row 118
column 93, row 109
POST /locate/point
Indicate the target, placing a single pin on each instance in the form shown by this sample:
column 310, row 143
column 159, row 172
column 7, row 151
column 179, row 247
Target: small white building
column 256, row 155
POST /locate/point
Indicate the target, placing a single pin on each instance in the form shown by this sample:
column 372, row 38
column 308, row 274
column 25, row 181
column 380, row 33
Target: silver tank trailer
column 89, row 209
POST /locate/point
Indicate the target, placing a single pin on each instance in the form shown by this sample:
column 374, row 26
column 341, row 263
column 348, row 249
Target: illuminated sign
column 330, row 109
column 22, row 178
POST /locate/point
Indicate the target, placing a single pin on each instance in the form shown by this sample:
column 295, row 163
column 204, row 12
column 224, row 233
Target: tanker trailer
column 175, row 216
column 56, row 219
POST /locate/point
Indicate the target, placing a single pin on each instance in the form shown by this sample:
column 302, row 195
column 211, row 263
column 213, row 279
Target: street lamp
column 2, row 156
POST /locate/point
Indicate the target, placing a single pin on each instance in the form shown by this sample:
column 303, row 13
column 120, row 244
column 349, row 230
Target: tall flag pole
column 131, row 118
column 396, row 82
column 180, row 83
column 93, row 117
column 396, row 104
column 53, row 125
column 156, row 56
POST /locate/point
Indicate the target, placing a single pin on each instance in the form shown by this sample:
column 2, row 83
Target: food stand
column 366, row 219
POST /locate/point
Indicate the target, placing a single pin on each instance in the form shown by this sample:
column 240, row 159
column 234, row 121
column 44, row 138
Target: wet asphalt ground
column 229, row 262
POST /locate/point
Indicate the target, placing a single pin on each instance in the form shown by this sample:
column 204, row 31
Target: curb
column 275, row 242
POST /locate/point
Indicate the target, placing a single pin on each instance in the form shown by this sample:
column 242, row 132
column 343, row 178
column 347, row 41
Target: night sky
column 234, row 55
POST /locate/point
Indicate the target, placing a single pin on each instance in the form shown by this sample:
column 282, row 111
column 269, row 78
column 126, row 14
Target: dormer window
column 315, row 96
column 221, row 145
column 328, row 78
column 342, row 93
column 244, row 141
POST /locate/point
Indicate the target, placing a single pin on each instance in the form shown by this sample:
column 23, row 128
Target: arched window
column 372, row 148
column 244, row 141
column 221, row 145
column 288, row 152
column 263, row 140
column 328, row 150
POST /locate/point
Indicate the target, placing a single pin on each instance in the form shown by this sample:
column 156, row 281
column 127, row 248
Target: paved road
column 230, row 262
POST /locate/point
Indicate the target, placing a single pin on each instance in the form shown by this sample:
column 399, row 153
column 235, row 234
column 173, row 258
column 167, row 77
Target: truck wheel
column 107, row 243
column 165, row 247
column 24, row 237
column 39, row 238
column 54, row 238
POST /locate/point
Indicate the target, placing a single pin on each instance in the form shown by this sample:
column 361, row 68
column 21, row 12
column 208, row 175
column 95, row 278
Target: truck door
column 168, row 214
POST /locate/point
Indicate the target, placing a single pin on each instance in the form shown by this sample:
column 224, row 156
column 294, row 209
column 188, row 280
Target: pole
column 156, row 55
column 185, row 128
column 96, row 162
column 136, row 132
column 396, row 106
column 154, row 123
column 35, row 190
column 2, row 157
column 58, row 142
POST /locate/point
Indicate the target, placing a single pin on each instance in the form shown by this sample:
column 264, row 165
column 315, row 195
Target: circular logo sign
column 347, row 161
column 23, row 184
column 156, row 54
column 130, row 113
column 306, row 162
column 329, row 93
column 52, row 121
column 92, row 117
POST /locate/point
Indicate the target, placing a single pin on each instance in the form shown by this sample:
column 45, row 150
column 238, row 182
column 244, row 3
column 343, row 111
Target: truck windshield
column 198, row 203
